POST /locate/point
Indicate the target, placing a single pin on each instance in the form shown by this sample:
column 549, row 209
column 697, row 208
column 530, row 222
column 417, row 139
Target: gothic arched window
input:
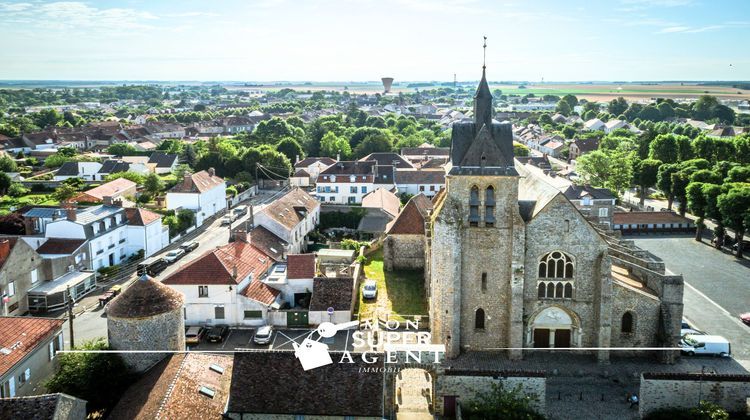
column 542, row 290
column 474, row 206
column 568, row 291
column 489, row 206
column 627, row 322
column 556, row 265
column 479, row 319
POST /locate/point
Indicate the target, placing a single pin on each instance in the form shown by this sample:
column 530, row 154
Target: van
column 240, row 210
column 705, row 344
column 152, row 267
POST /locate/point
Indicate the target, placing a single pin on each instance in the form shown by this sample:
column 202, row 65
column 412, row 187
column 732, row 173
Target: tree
column 734, row 206
column 650, row 113
column 563, row 107
column 5, row 183
column 332, row 145
column 273, row 130
column 723, row 113
column 742, row 147
column 153, row 184
column 76, row 183
column 291, row 149
column 99, row 378
column 47, row 117
column 374, row 143
column 711, row 193
column 697, row 204
column 188, row 155
column 131, row 176
column 680, row 181
column 17, row 189
column 664, row 148
column 665, row 110
column 122, row 149
column 501, row 403
column 64, row 192
column 739, row 174
column 664, row 181
column 571, row 100
column 12, row 224
column 645, row 175
column 7, row 164
column 703, row 107
column 520, row 150
column 610, row 169
column 617, row 106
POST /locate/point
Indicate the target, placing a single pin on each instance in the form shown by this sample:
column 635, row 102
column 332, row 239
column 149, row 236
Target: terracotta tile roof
column 382, row 199
column 145, row 297
column 6, row 246
column 261, row 292
column 300, row 266
column 60, row 246
column 288, row 210
column 218, row 266
column 647, row 217
column 275, row 383
column 140, row 217
column 170, row 390
column 267, row 242
column 411, row 219
column 332, row 292
column 198, row 182
column 111, row 189
column 21, row 336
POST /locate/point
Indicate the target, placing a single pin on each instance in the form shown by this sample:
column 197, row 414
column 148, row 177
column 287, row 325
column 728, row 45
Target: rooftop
column 111, row 189
column 145, row 297
column 300, row 266
column 290, row 209
column 140, row 217
column 198, row 182
column 60, row 284
column 228, row 264
column 332, row 292
column 43, row 407
column 382, row 199
column 647, row 217
column 19, row 336
column 411, row 219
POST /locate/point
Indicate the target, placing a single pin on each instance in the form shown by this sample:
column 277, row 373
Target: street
column 716, row 287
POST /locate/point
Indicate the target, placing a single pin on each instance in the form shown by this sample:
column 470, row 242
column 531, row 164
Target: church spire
column 483, row 97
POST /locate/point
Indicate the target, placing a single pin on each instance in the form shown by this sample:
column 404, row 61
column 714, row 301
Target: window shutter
column 12, row 383
column 27, row 374
column 51, row 350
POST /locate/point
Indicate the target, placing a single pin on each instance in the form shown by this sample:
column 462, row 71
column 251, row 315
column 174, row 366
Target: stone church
column 510, row 263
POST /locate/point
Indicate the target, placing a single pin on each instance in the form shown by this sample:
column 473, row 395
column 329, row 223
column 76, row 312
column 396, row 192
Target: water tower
column 387, row 82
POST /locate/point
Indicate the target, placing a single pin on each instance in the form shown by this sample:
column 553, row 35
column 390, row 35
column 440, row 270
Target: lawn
column 399, row 292
column 42, row 199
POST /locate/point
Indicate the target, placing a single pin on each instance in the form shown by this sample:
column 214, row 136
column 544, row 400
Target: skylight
column 207, row 391
column 216, row 368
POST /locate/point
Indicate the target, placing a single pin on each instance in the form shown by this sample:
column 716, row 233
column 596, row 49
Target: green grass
column 399, row 292
column 37, row 199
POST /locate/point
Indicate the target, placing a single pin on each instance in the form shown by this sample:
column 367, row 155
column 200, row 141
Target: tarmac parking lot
column 283, row 339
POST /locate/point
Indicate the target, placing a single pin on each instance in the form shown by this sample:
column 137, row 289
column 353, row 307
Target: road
column 716, row 287
column 92, row 323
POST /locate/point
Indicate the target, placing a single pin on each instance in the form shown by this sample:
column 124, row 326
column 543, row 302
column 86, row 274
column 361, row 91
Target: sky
column 361, row 40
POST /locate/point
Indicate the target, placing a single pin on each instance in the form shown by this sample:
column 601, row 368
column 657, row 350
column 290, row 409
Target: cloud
column 689, row 30
column 673, row 29
column 192, row 14
column 15, row 7
column 67, row 15
column 637, row 5
column 441, row 6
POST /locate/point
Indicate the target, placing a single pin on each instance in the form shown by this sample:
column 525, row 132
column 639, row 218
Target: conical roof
column 144, row 298
column 483, row 103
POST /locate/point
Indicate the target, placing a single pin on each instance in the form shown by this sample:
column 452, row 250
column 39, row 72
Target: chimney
column 4, row 249
column 296, row 159
column 240, row 235
column 70, row 211
column 234, row 271
column 107, row 200
column 251, row 220
column 211, row 172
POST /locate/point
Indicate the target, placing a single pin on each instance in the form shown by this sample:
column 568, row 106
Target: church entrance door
column 562, row 338
column 541, row 338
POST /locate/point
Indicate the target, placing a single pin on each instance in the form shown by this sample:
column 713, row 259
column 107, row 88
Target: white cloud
column 673, row 29
column 689, row 30
column 15, row 7
column 67, row 15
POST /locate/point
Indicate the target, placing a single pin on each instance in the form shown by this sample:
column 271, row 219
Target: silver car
column 370, row 289
column 263, row 335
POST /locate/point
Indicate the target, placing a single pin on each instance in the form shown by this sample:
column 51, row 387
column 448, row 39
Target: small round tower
column 146, row 316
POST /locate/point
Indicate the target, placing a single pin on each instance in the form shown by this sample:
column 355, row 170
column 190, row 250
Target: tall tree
column 697, row 204
column 703, row 107
column 664, row 181
column 291, row 149
column 563, row 107
column 711, row 193
column 5, row 183
column 734, row 206
column 645, row 175
column 664, row 148
column 617, row 106
column 153, row 184
column 571, row 100
column 332, row 145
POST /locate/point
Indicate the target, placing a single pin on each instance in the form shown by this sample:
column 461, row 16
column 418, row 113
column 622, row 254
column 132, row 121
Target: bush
column 232, row 191
column 106, row 272
column 17, row 190
column 501, row 403
column 353, row 244
column 338, row 219
column 705, row 411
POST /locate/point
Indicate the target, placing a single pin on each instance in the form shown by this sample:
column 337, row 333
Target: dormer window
column 333, row 178
column 352, row 178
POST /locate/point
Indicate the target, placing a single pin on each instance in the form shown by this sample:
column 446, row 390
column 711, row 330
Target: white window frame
column 603, row 212
column 11, row 288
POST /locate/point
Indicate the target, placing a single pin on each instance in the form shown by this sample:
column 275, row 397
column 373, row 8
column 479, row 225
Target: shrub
column 338, row 219
column 353, row 244
column 17, row 190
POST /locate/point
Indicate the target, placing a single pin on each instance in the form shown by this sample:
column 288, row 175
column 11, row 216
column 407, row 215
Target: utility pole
column 70, row 316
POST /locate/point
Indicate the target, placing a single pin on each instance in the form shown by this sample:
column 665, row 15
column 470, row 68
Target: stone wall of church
column 560, row 227
column 684, row 390
column 404, row 252
column 466, row 387
column 645, row 311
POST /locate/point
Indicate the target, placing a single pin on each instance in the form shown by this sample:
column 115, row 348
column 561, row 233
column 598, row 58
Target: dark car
column 189, row 246
column 217, row 334
column 745, row 246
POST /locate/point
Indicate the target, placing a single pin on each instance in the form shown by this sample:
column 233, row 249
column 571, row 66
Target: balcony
column 111, row 246
column 99, row 251
column 122, row 241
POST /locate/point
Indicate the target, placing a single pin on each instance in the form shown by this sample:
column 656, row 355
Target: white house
column 347, row 182
column 593, row 124
column 613, row 125
column 84, row 170
column 202, row 192
column 145, row 231
column 427, row 182
column 294, row 279
column 291, row 218
column 314, row 166
column 163, row 163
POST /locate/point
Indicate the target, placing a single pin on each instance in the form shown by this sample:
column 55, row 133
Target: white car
column 705, row 344
column 370, row 289
column 263, row 335
column 174, row 255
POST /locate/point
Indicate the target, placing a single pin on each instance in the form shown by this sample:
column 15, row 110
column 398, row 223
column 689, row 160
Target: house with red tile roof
column 294, row 279
column 202, row 192
column 28, row 350
column 118, row 188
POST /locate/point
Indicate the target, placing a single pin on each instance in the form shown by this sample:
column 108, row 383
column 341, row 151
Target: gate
column 297, row 319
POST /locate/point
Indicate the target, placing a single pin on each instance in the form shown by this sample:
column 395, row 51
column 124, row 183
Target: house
column 594, row 124
column 112, row 166
column 314, row 166
column 119, row 188
column 28, row 350
column 19, row 272
column 13, row 145
column 43, row 140
column 333, row 300
column 335, row 390
column 84, row 170
column 145, row 231
column 44, row 407
column 346, row 182
column 425, row 152
column 225, row 286
column 427, row 182
column 266, row 241
column 203, row 192
column 613, row 125
column 552, row 146
column 404, row 246
column 579, row 147
column 164, row 163
column 237, row 124
column 182, row 386
column 300, row 178
column 651, row 221
column 381, row 207
column 162, row 130
column 559, row 119
column 387, row 158
column 294, row 279
column 596, row 204
column 291, row 217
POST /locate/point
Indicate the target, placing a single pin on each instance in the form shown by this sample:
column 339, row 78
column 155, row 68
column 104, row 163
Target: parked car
column 705, row 344
column 172, row 256
column 686, row 331
column 685, row 324
column 217, row 334
column 263, row 335
column 194, row 335
column 189, row 246
column 745, row 318
column 152, row 267
column 228, row 219
column 370, row 289
column 240, row 211
column 745, row 246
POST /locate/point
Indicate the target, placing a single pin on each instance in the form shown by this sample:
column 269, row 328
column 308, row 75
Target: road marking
column 346, row 343
column 289, row 340
column 701, row 294
column 273, row 341
column 226, row 340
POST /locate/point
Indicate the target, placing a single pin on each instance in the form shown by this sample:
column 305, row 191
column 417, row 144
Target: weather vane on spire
column 484, row 54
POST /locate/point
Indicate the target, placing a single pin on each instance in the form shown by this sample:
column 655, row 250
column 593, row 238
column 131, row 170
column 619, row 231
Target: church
column 511, row 264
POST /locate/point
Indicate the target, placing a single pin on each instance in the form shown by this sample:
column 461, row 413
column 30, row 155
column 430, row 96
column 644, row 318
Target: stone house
column 579, row 147
column 513, row 264
column 291, row 217
column 404, row 247
column 19, row 272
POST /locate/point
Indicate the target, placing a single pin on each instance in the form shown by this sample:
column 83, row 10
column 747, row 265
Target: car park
column 194, row 335
column 172, row 256
column 705, row 344
column 189, row 246
column 370, row 289
column 263, row 335
column 217, row 333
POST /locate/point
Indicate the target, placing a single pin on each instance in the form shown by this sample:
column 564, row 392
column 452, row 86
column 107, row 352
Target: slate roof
column 218, row 266
column 145, row 297
column 310, row 160
column 92, row 214
column 267, row 242
column 113, row 166
column 384, row 175
column 578, row 192
column 300, row 266
column 261, row 292
column 426, row 151
column 110, row 189
column 290, row 209
column 23, row 335
column 350, row 168
column 39, row 407
column 388, row 158
column 382, row 199
column 169, row 390
column 533, row 188
column 411, row 219
column 332, row 292
column 261, row 384
column 469, row 143
column 374, row 221
column 44, row 212
column 435, row 163
column 301, row 173
column 647, row 217
column 60, row 246
column 162, row 160
column 68, row 169
column 199, row 182
column 12, row 143
column 140, row 217
column 420, row 177
column 586, row 145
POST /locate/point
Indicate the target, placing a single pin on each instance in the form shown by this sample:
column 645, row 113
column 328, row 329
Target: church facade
column 510, row 263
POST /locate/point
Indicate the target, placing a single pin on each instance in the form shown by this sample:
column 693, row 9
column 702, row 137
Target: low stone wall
column 685, row 390
column 404, row 252
column 466, row 385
